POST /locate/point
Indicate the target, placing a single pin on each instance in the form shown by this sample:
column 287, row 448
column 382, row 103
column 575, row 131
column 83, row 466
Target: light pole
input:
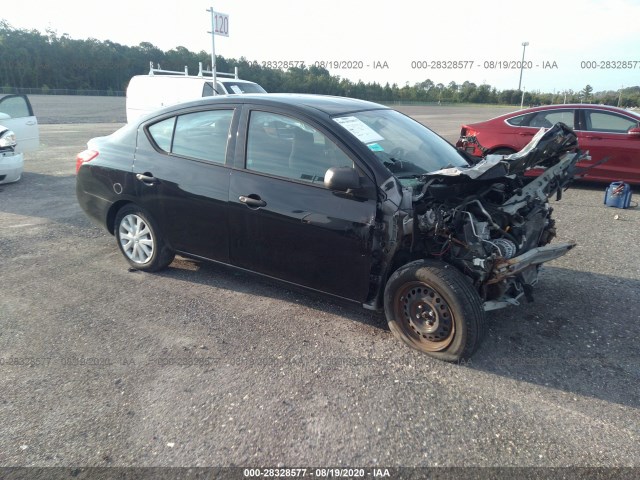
column 524, row 47
column 213, row 49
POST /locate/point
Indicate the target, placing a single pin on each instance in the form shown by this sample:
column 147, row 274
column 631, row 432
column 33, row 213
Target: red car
column 603, row 131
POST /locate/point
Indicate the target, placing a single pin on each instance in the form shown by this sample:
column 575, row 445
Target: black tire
column 433, row 308
column 140, row 241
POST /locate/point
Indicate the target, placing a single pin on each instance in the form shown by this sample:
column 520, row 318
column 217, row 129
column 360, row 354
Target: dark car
column 338, row 195
column 609, row 134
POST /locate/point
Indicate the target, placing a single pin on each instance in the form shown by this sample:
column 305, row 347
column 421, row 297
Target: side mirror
column 341, row 179
column 634, row 132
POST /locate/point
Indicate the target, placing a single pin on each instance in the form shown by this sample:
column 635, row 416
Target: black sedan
column 338, row 195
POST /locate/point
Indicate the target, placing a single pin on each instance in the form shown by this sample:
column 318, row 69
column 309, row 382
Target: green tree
column 51, row 61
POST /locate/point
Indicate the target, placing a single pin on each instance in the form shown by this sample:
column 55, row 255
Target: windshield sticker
column 236, row 89
column 359, row 129
column 375, row 147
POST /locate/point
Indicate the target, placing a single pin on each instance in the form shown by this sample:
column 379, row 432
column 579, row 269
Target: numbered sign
column 221, row 24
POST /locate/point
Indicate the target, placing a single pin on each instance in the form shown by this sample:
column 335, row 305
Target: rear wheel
column 433, row 308
column 140, row 241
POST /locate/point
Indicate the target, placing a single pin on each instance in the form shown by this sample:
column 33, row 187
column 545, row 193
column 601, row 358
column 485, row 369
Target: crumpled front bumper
column 525, row 268
column 535, row 256
column 11, row 166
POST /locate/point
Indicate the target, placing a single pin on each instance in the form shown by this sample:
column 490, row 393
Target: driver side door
column 283, row 221
column 606, row 134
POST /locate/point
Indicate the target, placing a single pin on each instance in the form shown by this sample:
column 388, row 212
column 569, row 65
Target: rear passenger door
column 283, row 222
column 17, row 115
column 181, row 172
column 543, row 119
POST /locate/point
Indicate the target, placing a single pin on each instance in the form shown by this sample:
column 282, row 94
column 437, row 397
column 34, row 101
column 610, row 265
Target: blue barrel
column 618, row 195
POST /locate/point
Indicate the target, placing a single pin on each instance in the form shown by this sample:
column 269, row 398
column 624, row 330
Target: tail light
column 467, row 132
column 84, row 157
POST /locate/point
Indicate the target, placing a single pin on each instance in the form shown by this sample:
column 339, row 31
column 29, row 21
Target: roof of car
column 230, row 79
column 570, row 105
column 525, row 111
column 324, row 103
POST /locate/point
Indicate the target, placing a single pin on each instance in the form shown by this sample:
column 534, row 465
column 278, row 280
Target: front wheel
column 140, row 241
column 433, row 308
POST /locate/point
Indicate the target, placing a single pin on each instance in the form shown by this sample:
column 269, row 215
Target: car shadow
column 48, row 197
column 578, row 336
column 229, row 278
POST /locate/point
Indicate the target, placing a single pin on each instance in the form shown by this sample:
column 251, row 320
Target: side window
column 609, row 122
column 200, row 135
column 162, row 133
column 14, row 106
column 548, row 118
column 519, row 121
column 287, row 147
column 207, row 89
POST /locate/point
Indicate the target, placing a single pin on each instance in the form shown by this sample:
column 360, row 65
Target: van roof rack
column 201, row 72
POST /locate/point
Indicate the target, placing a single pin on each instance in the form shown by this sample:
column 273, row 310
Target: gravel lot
column 201, row 365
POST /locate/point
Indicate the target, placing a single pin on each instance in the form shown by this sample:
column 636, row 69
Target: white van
column 162, row 88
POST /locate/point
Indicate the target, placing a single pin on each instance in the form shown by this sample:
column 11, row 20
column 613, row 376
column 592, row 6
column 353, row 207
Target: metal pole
column 213, row 49
column 524, row 47
column 522, row 99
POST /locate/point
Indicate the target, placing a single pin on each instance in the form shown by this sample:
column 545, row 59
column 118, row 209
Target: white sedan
column 18, row 134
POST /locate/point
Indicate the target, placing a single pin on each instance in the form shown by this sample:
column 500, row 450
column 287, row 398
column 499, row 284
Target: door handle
column 525, row 134
column 31, row 123
column 147, row 178
column 591, row 137
column 252, row 201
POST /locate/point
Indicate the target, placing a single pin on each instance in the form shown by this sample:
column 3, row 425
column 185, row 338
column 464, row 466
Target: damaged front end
column 489, row 220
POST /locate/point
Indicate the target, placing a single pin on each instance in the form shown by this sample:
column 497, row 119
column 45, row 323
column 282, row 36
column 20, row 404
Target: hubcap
column 424, row 316
column 136, row 239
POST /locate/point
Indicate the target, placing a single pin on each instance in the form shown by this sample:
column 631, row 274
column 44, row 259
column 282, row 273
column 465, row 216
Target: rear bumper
column 11, row 166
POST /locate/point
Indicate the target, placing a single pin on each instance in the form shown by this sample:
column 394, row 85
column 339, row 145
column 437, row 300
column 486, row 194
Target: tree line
column 31, row 59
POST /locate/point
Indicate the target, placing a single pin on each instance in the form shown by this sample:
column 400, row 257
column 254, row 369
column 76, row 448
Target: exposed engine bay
column 488, row 220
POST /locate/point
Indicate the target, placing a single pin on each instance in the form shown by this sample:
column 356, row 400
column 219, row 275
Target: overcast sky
column 564, row 32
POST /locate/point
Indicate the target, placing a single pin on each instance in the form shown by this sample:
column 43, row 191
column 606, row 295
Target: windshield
column 242, row 87
column 407, row 148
